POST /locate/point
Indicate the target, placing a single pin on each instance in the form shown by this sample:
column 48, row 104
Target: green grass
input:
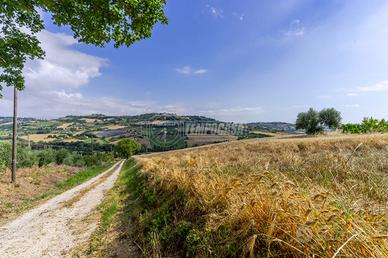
column 112, row 210
column 133, row 212
column 81, row 177
column 4, row 132
column 44, row 124
column 112, row 204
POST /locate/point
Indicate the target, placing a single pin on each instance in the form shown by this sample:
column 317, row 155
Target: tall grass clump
column 284, row 197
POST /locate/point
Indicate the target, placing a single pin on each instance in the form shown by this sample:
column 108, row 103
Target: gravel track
column 53, row 229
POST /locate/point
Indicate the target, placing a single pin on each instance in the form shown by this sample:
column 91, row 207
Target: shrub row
column 27, row 157
column 368, row 125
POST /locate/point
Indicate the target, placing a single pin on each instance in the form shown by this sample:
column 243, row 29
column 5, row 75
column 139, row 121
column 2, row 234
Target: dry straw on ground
column 31, row 183
column 325, row 196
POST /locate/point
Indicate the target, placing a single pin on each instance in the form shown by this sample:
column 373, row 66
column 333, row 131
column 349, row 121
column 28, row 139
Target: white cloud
column 189, row 71
column 295, row 29
column 378, row 87
column 200, row 71
column 352, row 94
column 64, row 95
column 381, row 86
column 62, row 67
column 58, row 103
column 232, row 110
column 324, row 97
column 53, row 85
column 216, row 12
column 352, row 105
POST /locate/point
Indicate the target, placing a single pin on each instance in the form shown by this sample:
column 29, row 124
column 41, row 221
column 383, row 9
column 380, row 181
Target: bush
column 26, row 158
column 126, row 148
column 46, row 157
column 74, row 159
column 5, row 156
column 61, row 155
column 91, row 161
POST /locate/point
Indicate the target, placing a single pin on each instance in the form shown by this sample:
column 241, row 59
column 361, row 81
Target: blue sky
column 232, row 60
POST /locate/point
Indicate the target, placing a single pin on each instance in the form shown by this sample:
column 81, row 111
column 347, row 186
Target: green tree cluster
column 314, row 122
column 28, row 157
column 368, row 125
column 125, row 148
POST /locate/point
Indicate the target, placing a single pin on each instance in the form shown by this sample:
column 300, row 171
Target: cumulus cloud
column 190, row 71
column 58, row 103
column 53, row 85
column 295, row 29
column 62, row 66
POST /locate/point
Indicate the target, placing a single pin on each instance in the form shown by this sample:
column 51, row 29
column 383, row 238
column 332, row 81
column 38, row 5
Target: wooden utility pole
column 14, row 136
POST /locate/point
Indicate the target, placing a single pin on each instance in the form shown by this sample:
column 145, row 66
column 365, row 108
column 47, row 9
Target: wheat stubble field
column 319, row 196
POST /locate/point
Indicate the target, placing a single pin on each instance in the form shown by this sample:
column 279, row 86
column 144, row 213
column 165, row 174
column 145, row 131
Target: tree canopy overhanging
column 96, row 22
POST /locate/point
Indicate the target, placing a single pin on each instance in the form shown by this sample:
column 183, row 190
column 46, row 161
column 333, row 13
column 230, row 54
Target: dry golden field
column 198, row 140
column 318, row 196
column 39, row 137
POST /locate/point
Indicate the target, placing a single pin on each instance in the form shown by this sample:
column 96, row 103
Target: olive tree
column 309, row 121
column 330, row 118
column 314, row 122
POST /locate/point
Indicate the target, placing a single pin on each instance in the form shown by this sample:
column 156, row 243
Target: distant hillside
column 7, row 119
column 272, row 127
column 149, row 117
column 155, row 131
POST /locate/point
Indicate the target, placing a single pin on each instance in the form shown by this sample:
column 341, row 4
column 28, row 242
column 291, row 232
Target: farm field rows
column 148, row 129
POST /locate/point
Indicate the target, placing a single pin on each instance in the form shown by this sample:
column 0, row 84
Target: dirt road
column 54, row 228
